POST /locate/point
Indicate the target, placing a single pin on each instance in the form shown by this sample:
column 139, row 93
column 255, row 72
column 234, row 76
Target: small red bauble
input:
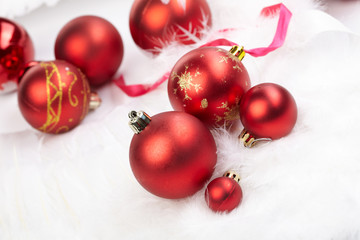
column 54, row 97
column 94, row 45
column 208, row 83
column 173, row 154
column 224, row 194
column 268, row 111
column 156, row 23
column 16, row 49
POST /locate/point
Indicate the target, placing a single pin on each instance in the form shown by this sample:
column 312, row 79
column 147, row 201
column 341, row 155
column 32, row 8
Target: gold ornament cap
column 249, row 141
column 238, row 52
column 232, row 174
column 95, row 101
column 138, row 121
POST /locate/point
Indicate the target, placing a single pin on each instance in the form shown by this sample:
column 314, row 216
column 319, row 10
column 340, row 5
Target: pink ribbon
column 278, row 41
column 281, row 30
column 139, row 89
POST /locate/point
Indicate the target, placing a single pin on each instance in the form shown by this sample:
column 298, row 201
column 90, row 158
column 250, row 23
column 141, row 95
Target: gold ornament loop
column 232, row 174
column 238, row 52
column 249, row 141
column 95, row 101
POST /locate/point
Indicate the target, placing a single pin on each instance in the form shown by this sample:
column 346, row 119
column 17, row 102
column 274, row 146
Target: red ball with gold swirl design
column 54, row 97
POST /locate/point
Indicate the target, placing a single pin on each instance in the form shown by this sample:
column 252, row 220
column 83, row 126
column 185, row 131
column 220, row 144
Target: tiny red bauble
column 208, row 83
column 156, row 23
column 224, row 194
column 94, row 45
column 16, row 49
column 172, row 155
column 268, row 110
column 54, row 97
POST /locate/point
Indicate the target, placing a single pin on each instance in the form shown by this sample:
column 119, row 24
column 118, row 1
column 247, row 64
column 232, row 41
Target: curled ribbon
column 278, row 40
column 139, row 89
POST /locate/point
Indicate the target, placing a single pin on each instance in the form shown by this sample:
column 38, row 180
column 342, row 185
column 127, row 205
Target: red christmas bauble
column 223, row 194
column 156, row 23
column 208, row 83
column 94, row 45
column 268, row 111
column 173, row 156
column 54, row 96
column 16, row 48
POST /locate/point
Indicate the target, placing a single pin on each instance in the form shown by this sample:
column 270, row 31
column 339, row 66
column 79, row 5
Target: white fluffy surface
column 79, row 185
column 12, row 8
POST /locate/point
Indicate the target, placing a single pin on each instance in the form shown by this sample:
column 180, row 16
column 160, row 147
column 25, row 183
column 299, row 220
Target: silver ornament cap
column 138, row 121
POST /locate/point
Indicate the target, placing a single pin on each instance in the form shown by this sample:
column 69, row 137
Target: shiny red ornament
column 16, row 49
column 54, row 97
column 94, row 45
column 208, row 83
column 156, row 23
column 224, row 194
column 268, row 111
column 172, row 155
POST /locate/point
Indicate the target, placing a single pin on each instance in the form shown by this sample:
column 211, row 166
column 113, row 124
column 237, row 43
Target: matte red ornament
column 267, row 111
column 156, row 23
column 224, row 194
column 94, row 45
column 208, row 83
column 172, row 155
column 54, row 97
column 16, row 48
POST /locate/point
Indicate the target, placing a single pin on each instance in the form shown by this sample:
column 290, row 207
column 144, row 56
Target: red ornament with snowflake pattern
column 208, row 83
column 156, row 23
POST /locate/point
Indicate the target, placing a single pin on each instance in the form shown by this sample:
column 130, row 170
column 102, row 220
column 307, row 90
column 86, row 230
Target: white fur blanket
column 79, row 185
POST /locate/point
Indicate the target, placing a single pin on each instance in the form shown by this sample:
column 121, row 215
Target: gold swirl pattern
column 62, row 129
column 86, row 93
column 75, row 102
column 53, row 81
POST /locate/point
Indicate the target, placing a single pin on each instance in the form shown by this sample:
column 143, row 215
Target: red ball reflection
column 16, row 49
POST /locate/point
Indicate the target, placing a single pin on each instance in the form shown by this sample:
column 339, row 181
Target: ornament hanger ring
column 249, row 141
